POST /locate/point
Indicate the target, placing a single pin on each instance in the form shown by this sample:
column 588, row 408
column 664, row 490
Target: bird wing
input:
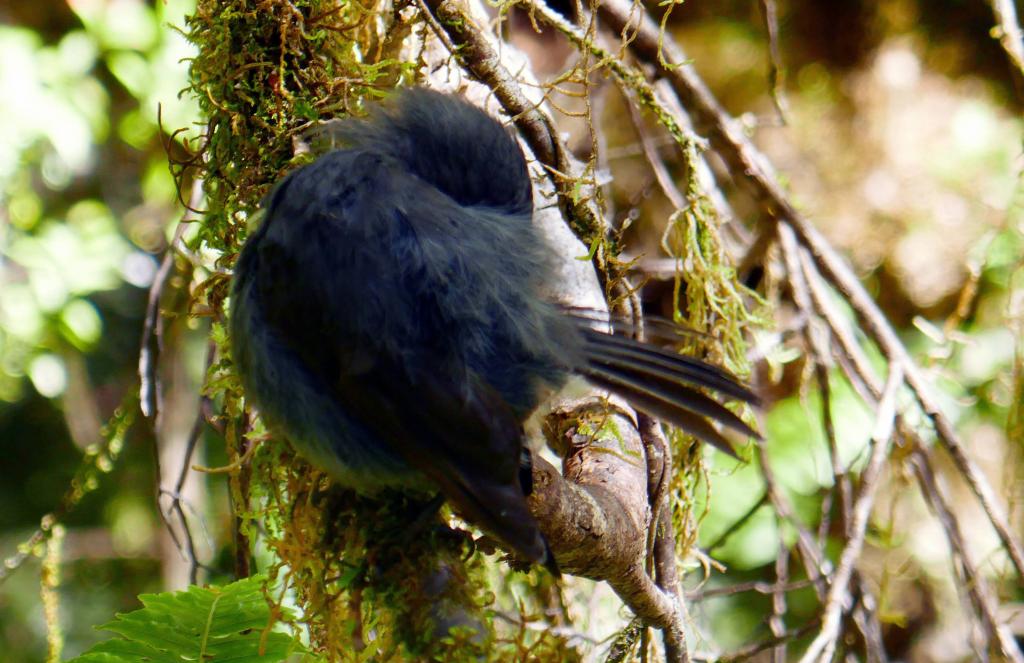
column 465, row 438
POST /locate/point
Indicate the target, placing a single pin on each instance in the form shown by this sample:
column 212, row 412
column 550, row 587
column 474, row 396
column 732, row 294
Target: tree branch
column 1010, row 36
column 823, row 646
column 655, row 48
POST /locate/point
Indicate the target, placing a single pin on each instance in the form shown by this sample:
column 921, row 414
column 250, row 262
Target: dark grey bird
column 387, row 317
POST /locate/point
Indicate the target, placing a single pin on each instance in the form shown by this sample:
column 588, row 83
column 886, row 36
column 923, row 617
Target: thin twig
column 667, row 574
column 1010, row 36
column 777, row 622
column 813, row 558
column 758, row 586
column 565, row 632
column 150, row 387
column 815, row 562
column 866, row 618
column 862, row 377
column 770, row 14
column 654, row 160
column 976, row 585
column 188, row 548
column 819, row 356
column 801, row 281
column 656, row 452
column 738, row 523
column 823, row 646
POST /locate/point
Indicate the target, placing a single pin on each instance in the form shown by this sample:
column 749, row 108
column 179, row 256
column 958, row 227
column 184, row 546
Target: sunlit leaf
column 199, row 624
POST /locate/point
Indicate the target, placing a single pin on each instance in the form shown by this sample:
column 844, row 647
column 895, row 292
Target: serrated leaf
column 207, row 625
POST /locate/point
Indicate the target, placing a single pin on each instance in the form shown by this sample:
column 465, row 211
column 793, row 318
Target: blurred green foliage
column 86, row 198
column 68, row 233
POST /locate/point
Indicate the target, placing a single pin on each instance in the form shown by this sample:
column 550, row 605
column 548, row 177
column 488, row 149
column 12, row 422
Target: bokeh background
column 902, row 140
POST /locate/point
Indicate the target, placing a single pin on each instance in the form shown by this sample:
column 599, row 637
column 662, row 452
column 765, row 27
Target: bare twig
column 757, row 586
column 816, row 565
column 770, row 14
column 813, row 558
column 654, row 160
column 819, row 356
column 866, row 618
column 823, row 646
column 975, row 584
column 176, row 506
column 862, row 377
column 1010, row 36
column 738, row 523
column 777, row 620
column 150, row 388
column 667, row 575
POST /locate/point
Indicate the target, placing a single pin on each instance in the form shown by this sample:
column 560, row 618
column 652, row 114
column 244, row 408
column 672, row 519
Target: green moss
column 265, row 73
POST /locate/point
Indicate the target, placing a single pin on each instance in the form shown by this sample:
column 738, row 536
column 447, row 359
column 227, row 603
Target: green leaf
column 199, row 624
column 595, row 244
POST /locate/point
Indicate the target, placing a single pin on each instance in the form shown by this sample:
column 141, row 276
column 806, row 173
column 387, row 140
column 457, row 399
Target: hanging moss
column 266, row 71
column 709, row 299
